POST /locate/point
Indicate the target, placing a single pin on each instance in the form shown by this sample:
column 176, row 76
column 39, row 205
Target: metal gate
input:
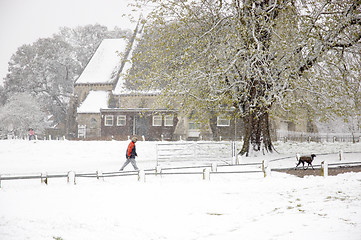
column 195, row 151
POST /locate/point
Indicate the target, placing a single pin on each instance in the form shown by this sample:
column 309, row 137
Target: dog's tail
column 297, row 156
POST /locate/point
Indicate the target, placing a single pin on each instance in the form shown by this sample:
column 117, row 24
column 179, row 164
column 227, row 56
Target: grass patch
column 215, row 214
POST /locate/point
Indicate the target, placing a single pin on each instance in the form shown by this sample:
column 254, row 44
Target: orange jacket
column 131, row 152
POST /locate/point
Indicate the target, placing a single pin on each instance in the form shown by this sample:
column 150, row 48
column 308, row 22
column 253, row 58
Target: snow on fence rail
column 340, row 154
column 207, row 170
column 317, row 137
column 72, row 176
column 317, row 166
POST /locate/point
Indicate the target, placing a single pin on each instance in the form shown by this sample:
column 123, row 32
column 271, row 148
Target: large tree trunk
column 257, row 133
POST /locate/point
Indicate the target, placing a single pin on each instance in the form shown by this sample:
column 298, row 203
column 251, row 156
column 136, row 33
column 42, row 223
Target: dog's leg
column 311, row 166
column 303, row 166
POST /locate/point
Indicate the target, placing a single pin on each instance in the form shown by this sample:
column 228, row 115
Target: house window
column 93, row 123
column 223, row 122
column 121, row 120
column 168, row 120
column 108, row 120
column 157, row 120
column 292, row 126
column 193, row 126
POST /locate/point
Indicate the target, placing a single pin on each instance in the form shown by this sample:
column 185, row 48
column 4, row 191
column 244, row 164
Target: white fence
column 195, row 151
column 318, row 137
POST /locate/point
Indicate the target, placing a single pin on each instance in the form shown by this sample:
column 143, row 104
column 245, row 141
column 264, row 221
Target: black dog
column 305, row 159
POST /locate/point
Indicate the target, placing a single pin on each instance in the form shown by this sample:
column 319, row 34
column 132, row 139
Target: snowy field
column 229, row 206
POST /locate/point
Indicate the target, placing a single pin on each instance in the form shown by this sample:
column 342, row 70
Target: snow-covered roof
column 120, row 87
column 105, row 64
column 94, row 102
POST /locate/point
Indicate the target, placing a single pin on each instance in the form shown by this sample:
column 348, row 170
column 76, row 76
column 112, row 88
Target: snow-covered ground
column 229, row 206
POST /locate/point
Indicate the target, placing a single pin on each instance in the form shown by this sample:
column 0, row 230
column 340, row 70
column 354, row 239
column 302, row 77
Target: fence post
column 341, row 157
column 100, row 175
column 266, row 168
column 44, row 180
column 234, row 153
column 71, row 177
column 156, row 153
column 158, row 170
column 206, row 174
column 239, row 159
column 214, row 167
column 141, row 176
column 324, row 169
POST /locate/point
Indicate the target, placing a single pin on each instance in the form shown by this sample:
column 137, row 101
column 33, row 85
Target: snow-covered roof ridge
column 120, row 88
column 106, row 63
column 94, row 102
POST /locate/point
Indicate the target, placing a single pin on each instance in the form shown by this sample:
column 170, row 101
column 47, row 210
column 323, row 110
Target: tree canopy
column 20, row 113
column 47, row 68
column 249, row 55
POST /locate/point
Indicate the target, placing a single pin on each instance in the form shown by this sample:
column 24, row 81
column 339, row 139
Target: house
column 104, row 108
column 92, row 90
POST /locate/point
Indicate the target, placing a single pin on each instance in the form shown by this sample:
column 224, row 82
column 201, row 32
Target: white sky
column 25, row 21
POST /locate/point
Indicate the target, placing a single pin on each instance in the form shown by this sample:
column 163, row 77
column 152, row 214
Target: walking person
column 131, row 154
column 31, row 134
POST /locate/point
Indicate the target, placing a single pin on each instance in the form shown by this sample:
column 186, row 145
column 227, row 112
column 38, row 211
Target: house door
column 141, row 126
